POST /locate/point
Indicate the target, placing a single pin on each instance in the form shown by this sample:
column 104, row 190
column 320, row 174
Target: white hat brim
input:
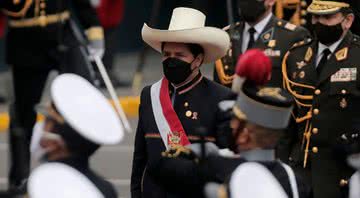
column 86, row 109
column 214, row 41
column 246, row 177
column 58, row 180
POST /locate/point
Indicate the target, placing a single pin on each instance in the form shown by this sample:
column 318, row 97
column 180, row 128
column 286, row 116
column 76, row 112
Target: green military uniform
column 327, row 105
column 276, row 38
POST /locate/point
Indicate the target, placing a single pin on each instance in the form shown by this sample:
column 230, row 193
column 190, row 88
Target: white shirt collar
column 259, row 27
column 332, row 47
column 322, row 47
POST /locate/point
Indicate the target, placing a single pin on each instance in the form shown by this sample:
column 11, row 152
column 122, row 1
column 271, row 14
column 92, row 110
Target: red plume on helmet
column 252, row 66
column 255, row 66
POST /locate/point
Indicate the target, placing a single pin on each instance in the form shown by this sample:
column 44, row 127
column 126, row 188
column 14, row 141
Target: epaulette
column 226, row 28
column 301, row 43
column 286, row 25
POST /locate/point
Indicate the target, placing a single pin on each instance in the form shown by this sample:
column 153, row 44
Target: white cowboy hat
column 58, row 180
column 187, row 25
column 86, row 109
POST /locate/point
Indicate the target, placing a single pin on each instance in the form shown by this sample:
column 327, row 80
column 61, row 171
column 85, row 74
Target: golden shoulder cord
column 288, row 84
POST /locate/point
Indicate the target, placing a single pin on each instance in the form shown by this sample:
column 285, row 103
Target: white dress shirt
column 259, row 27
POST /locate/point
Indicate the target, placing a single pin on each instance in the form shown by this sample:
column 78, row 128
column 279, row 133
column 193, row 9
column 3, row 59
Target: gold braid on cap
column 288, row 84
column 323, row 7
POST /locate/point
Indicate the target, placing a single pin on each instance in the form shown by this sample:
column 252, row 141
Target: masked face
column 328, row 34
column 176, row 70
column 251, row 10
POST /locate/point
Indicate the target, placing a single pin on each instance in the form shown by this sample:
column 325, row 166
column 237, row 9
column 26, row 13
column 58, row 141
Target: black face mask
column 251, row 10
column 176, row 70
column 327, row 34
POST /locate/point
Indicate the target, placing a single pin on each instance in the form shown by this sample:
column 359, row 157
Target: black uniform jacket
column 149, row 176
column 219, row 169
column 327, row 105
column 276, row 39
column 38, row 45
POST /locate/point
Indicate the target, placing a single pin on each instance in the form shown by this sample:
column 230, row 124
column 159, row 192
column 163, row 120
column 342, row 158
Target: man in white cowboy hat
column 78, row 121
column 260, row 116
column 172, row 109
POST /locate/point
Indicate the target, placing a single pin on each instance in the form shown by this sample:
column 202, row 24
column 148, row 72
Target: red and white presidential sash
column 167, row 121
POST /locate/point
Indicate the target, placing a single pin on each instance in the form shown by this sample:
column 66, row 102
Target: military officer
column 40, row 38
column 183, row 100
column 258, row 29
column 322, row 75
column 69, row 137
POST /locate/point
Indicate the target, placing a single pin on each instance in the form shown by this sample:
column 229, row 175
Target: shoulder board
column 301, row 43
column 226, row 28
column 286, row 25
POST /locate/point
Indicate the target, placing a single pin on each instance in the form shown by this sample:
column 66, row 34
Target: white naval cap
column 57, row 180
column 253, row 180
column 86, row 109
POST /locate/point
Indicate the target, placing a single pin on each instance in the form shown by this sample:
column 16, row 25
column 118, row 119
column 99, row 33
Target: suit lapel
column 333, row 65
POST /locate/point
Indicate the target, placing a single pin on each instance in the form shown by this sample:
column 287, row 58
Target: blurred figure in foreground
column 73, row 130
